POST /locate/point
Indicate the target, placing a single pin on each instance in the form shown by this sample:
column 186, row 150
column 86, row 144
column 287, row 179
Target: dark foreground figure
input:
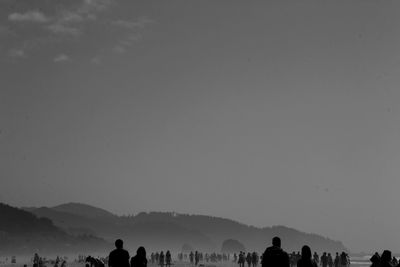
column 274, row 256
column 139, row 260
column 119, row 257
column 306, row 260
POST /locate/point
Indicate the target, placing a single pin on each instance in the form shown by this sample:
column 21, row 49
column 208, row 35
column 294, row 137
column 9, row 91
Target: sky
column 265, row 112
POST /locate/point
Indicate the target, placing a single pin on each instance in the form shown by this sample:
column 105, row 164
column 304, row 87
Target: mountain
column 253, row 238
column 22, row 231
column 168, row 230
column 155, row 234
column 84, row 210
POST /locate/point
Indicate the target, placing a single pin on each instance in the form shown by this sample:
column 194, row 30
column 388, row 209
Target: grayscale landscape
column 234, row 129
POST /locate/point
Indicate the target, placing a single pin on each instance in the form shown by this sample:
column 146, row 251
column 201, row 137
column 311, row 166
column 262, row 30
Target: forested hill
column 162, row 230
column 24, row 232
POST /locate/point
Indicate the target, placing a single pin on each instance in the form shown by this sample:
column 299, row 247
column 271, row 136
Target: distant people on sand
column 161, row 259
column 254, row 259
column 119, row 257
column 316, row 258
column 324, row 260
column 140, row 259
column 36, row 260
column 94, row 262
column 196, row 258
column 241, row 259
column 191, row 257
column 344, row 259
column 306, row 258
column 274, row 256
column 336, row 261
column 248, row 259
column 330, row 260
column 168, row 259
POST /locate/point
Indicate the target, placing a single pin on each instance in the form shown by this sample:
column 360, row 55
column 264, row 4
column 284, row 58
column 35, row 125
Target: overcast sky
column 267, row 112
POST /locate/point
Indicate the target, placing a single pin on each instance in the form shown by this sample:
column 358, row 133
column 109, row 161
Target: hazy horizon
column 268, row 113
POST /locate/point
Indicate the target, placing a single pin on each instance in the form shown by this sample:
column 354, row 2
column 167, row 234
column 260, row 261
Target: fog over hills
column 170, row 230
column 24, row 232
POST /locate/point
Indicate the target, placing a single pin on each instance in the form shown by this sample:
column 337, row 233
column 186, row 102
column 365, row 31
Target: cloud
column 61, row 58
column 132, row 34
column 30, row 16
column 59, row 28
column 131, row 39
column 16, row 53
column 70, row 17
column 71, row 21
column 139, row 23
column 90, row 6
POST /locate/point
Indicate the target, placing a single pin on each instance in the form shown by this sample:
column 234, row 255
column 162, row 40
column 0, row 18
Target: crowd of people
column 251, row 259
column 273, row 256
column 326, row 259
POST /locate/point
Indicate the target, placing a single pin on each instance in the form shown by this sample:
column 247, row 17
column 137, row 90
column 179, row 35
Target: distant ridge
column 161, row 230
column 84, row 210
column 24, row 232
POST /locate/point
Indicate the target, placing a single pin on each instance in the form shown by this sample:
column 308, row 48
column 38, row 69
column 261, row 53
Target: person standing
column 168, row 259
column 274, row 256
column 119, row 257
column 140, row 259
column 306, row 260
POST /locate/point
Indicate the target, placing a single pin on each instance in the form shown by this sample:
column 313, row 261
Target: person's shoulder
column 285, row 253
column 269, row 249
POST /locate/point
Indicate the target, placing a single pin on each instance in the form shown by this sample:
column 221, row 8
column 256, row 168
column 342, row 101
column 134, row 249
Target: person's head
column 306, row 253
column 386, row 256
column 276, row 242
column 375, row 258
column 119, row 243
column 141, row 251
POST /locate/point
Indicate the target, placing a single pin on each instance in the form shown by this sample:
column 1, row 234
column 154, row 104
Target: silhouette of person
column 36, row 260
column 395, row 262
column 196, row 258
column 254, row 259
column 324, row 260
column 191, row 257
column 162, row 258
column 119, row 257
column 168, row 258
column 344, row 259
column 386, row 259
column 330, row 260
column 306, row 260
column 139, row 260
column 248, row 259
column 241, row 259
column 375, row 259
column 274, row 256
column 336, row 262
